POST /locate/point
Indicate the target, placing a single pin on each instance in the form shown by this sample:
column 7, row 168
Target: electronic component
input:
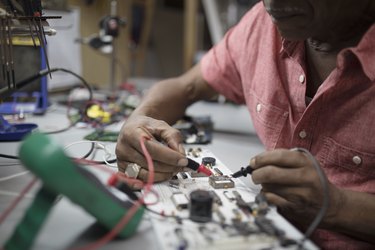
column 241, row 203
column 229, row 196
column 219, row 182
column 216, row 197
column 184, row 175
column 244, row 228
column 218, row 171
column 197, row 174
column 262, row 204
column 195, row 130
column 180, row 200
column 220, row 215
column 195, row 152
column 266, row 225
column 237, row 215
column 174, row 183
column 208, row 161
column 201, row 206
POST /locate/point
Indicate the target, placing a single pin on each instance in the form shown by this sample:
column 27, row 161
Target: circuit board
column 238, row 218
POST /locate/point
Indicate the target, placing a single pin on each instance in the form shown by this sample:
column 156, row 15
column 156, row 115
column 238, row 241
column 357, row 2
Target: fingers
column 276, row 199
column 167, row 158
column 282, row 166
column 143, row 174
column 293, row 194
column 158, row 166
column 285, row 176
column 171, row 136
column 170, row 153
column 158, row 176
column 162, row 153
column 280, row 157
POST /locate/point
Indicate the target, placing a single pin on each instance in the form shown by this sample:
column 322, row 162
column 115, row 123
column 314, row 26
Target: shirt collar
column 287, row 47
column 365, row 53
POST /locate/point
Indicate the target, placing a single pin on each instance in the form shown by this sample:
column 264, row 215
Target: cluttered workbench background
column 68, row 225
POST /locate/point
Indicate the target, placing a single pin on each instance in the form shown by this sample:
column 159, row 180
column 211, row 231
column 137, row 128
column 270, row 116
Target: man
column 306, row 71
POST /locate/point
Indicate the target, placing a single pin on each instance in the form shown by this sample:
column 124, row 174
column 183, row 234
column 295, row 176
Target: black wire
column 319, row 216
column 90, row 151
column 59, row 131
column 103, row 162
column 9, row 156
column 84, row 82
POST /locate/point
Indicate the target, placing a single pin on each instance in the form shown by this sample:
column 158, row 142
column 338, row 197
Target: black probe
column 243, row 172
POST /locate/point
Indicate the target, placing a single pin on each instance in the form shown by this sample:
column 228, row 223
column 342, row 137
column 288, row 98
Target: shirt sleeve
column 220, row 66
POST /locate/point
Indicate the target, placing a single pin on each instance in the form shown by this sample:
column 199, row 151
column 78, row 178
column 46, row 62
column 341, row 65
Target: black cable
column 319, row 216
column 84, row 82
column 103, row 162
column 90, row 151
column 59, row 131
column 9, row 156
column 8, row 91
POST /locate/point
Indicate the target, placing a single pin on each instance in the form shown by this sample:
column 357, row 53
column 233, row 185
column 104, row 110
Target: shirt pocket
column 346, row 166
column 268, row 120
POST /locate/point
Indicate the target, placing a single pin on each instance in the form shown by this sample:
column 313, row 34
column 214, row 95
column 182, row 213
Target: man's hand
column 290, row 182
column 163, row 144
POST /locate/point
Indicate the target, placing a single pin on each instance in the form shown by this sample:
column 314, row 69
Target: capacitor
column 200, row 206
column 209, row 161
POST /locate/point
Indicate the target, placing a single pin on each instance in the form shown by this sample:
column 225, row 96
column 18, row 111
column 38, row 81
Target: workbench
column 68, row 226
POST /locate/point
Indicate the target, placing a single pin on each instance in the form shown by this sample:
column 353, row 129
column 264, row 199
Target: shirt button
column 302, row 134
column 259, row 107
column 357, row 160
column 301, row 78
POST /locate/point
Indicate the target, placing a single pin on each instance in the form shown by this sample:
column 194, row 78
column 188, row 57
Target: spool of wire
column 200, row 206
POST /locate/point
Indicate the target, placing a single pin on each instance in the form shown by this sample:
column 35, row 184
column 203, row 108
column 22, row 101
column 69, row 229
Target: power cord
column 323, row 180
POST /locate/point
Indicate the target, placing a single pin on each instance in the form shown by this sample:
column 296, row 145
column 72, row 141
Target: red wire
column 125, row 219
column 7, row 211
column 150, row 165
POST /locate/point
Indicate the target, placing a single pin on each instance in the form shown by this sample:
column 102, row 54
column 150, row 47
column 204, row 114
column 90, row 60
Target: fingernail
column 138, row 186
column 252, row 162
column 181, row 149
column 186, row 169
column 182, row 162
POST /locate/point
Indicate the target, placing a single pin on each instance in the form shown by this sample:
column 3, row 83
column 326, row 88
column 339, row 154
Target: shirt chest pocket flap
column 358, row 162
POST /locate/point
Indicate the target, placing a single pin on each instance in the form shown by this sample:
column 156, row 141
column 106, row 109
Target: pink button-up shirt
column 253, row 65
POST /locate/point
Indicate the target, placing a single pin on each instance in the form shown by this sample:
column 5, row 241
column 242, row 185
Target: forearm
column 167, row 100
column 356, row 217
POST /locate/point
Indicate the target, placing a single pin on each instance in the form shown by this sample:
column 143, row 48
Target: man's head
column 325, row 20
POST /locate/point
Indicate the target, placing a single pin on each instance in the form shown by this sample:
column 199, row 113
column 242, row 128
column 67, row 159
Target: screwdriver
column 243, row 172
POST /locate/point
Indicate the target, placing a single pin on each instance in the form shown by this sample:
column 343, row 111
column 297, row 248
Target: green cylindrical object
column 47, row 160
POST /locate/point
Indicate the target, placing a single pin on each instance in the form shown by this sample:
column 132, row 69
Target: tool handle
column 32, row 221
